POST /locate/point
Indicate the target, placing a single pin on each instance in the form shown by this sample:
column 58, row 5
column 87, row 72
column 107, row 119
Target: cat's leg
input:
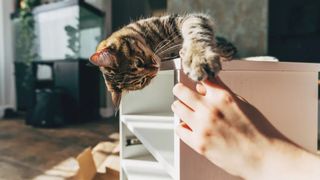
column 198, row 57
column 225, row 49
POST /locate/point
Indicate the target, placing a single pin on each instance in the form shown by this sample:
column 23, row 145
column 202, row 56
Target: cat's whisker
column 169, row 58
column 163, row 41
column 167, row 47
column 162, row 44
column 167, row 44
column 156, row 58
column 171, row 48
column 167, row 41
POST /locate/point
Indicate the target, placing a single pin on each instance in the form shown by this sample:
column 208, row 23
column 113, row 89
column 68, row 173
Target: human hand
column 235, row 136
column 215, row 126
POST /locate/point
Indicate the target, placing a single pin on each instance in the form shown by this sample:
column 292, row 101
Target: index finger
column 186, row 95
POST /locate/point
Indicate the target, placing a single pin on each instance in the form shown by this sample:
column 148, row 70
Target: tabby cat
column 131, row 56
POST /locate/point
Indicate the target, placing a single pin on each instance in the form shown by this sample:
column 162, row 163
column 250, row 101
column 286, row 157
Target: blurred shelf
column 156, row 134
column 144, row 168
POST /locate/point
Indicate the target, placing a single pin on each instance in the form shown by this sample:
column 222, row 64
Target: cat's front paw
column 199, row 63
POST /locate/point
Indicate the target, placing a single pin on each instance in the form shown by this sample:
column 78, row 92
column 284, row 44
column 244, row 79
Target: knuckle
column 175, row 106
column 202, row 148
column 229, row 99
column 213, row 113
column 224, row 94
column 207, row 132
column 176, row 103
column 225, row 97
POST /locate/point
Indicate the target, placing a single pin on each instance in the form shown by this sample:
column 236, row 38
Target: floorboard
column 27, row 152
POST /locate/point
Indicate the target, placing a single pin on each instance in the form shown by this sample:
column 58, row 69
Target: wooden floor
column 30, row 153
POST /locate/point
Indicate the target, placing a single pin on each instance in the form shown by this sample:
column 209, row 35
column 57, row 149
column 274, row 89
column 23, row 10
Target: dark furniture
column 24, row 85
column 79, row 84
column 294, row 30
column 88, row 16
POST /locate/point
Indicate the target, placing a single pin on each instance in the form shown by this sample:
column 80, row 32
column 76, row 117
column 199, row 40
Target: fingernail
column 172, row 106
column 186, row 126
column 175, row 88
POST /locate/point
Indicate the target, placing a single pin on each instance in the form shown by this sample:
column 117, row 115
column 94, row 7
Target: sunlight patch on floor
column 63, row 170
column 103, row 159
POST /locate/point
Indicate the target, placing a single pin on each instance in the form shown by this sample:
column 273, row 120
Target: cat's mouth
column 153, row 74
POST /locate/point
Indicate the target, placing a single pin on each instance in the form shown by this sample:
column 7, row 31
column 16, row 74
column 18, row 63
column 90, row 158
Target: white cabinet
column 285, row 93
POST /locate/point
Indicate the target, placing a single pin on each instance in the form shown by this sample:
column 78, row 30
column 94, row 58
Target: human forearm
column 283, row 160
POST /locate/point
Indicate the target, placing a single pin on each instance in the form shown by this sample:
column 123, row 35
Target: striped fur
column 130, row 57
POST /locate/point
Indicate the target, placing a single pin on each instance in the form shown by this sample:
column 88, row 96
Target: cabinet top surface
column 243, row 65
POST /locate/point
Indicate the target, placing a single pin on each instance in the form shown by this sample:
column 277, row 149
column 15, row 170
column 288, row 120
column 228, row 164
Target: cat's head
column 126, row 63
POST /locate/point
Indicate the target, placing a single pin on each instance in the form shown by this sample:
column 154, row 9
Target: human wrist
column 284, row 160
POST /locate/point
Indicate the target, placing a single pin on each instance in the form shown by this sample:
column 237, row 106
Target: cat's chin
column 147, row 82
column 153, row 74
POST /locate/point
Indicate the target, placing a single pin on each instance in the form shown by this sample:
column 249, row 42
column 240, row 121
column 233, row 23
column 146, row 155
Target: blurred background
column 53, row 105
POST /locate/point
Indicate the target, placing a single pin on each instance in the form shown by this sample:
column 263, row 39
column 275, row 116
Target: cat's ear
column 103, row 59
column 94, row 59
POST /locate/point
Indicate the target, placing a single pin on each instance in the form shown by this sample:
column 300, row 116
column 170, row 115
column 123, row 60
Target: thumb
column 216, row 86
column 212, row 85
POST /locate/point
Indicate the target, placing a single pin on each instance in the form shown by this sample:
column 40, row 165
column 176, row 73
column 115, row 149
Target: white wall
column 7, row 89
column 7, row 80
column 51, row 34
column 105, row 5
column 100, row 4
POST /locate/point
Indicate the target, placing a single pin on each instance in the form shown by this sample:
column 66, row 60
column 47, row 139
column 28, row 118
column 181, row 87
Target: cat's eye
column 112, row 48
column 139, row 63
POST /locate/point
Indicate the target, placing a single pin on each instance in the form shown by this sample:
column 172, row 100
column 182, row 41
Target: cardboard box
column 99, row 163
